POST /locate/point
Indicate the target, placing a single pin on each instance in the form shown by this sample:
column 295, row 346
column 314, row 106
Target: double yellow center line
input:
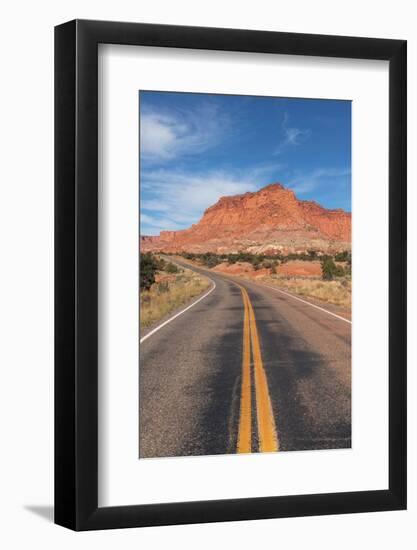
column 267, row 433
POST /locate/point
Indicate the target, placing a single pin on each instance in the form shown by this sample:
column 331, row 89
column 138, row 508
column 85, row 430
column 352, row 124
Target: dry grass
column 338, row 291
column 169, row 293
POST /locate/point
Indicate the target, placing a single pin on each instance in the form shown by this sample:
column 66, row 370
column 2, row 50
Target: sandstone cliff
column 269, row 220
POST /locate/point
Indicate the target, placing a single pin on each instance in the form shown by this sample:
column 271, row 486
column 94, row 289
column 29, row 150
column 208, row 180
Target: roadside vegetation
column 164, row 287
column 333, row 286
column 336, row 266
column 336, row 291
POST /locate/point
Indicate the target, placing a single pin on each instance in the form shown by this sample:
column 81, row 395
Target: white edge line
column 179, row 313
column 308, row 303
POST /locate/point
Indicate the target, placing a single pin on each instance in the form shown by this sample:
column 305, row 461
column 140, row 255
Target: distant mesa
column 271, row 220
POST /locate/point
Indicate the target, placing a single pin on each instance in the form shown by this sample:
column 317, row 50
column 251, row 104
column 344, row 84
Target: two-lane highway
column 245, row 369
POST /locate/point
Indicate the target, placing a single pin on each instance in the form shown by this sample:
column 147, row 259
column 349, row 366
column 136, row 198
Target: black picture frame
column 76, row 273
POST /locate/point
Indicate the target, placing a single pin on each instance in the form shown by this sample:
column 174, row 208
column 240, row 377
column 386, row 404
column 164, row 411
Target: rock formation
column 271, row 220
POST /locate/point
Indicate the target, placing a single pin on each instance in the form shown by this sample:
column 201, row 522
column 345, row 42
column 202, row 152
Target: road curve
column 246, row 369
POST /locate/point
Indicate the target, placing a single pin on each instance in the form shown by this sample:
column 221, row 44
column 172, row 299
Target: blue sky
column 196, row 148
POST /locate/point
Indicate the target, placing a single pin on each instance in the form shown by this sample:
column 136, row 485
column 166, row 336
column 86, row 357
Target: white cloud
column 155, row 224
column 295, row 136
column 168, row 135
column 177, row 199
column 291, row 135
column 158, row 136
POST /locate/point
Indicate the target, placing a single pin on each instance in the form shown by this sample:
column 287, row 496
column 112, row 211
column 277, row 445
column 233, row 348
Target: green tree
column 328, row 269
column 148, row 268
column 160, row 263
column 344, row 256
column 256, row 262
column 210, row 259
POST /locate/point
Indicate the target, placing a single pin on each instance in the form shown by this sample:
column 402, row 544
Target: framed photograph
column 230, row 252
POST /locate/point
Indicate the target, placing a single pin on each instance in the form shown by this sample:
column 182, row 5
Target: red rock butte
column 271, row 220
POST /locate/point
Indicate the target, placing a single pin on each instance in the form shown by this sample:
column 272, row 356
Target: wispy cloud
column 177, row 199
column 291, row 135
column 154, row 223
column 168, row 135
column 197, row 148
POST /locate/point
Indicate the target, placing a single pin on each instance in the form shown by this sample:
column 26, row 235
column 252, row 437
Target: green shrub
column 148, row 268
column 171, row 268
column 328, row 268
column 344, row 256
column 231, row 259
column 340, row 272
column 256, row 262
column 209, row 259
column 160, row 263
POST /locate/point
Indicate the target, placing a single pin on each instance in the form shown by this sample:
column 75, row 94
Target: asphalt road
column 246, row 369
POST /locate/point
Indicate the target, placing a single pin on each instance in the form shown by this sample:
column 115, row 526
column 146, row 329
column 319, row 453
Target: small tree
column 232, row 258
column 148, row 267
column 328, row 269
column 344, row 256
column 256, row 262
column 210, row 259
column 171, row 268
column 160, row 263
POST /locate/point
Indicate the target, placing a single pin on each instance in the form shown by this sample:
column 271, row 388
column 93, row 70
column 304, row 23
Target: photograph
column 208, row 329
column 245, row 274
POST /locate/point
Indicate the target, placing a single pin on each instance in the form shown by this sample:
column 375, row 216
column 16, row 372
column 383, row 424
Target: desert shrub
column 256, row 262
column 189, row 255
column 166, row 296
column 344, row 256
column 210, row 259
column 163, row 286
column 148, row 268
column 171, row 268
column 269, row 264
column 340, row 272
column 231, row 259
column 310, row 256
column 328, row 268
column 160, row 263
